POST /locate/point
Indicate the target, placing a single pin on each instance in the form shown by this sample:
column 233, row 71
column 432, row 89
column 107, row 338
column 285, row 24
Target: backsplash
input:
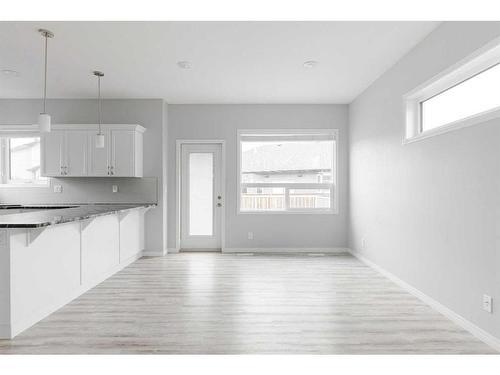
column 85, row 191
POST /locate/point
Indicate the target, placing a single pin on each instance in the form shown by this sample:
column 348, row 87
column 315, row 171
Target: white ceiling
column 232, row 62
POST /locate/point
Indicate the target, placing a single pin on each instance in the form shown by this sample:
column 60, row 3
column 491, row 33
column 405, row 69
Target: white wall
column 270, row 230
column 429, row 211
column 149, row 113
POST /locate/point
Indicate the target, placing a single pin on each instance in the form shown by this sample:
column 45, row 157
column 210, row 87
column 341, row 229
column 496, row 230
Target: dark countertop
column 44, row 218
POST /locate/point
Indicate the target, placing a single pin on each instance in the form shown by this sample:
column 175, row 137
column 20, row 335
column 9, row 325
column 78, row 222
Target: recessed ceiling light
column 310, row 64
column 10, row 72
column 184, row 64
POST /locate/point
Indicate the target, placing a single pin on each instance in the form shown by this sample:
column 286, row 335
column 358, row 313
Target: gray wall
column 148, row 113
column 429, row 211
column 270, row 230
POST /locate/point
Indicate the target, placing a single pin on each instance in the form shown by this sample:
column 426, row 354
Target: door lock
column 219, row 204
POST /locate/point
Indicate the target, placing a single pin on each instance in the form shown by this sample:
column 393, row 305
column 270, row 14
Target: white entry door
column 201, row 196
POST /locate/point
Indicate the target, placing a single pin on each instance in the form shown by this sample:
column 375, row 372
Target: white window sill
column 459, row 124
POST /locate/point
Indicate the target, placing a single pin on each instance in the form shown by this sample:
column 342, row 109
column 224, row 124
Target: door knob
column 219, row 204
column 219, row 197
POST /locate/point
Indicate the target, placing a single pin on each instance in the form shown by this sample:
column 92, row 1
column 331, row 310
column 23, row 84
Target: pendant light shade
column 99, row 139
column 44, row 121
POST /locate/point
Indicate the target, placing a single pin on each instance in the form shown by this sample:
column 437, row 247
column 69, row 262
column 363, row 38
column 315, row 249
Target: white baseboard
column 23, row 323
column 286, row 250
column 479, row 333
column 172, row 250
column 153, row 253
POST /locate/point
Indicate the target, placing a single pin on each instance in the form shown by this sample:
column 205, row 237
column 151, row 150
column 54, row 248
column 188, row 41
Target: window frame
column 332, row 210
column 5, row 181
column 474, row 64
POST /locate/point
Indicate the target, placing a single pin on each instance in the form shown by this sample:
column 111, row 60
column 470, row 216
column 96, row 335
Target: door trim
column 178, row 171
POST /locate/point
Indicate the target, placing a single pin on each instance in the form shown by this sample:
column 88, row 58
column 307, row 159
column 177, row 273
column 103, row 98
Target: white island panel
column 45, row 271
column 5, row 326
column 131, row 233
column 44, row 268
column 100, row 247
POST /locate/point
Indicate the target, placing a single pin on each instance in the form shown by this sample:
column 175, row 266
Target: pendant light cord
column 99, row 74
column 99, row 101
column 45, row 77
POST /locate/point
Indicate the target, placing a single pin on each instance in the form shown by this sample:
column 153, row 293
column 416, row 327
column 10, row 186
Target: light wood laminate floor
column 199, row 303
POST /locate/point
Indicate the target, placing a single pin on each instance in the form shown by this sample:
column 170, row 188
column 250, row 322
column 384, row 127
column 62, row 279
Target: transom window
column 287, row 171
column 470, row 97
column 463, row 95
column 20, row 161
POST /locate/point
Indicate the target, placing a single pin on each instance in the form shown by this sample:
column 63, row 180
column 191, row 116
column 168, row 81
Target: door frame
column 178, row 179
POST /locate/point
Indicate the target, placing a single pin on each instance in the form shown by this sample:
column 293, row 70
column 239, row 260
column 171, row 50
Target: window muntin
column 470, row 97
column 287, row 172
column 20, row 161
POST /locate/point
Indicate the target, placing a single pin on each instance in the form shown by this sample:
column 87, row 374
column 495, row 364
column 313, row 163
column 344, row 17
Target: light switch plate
column 58, row 189
column 115, row 188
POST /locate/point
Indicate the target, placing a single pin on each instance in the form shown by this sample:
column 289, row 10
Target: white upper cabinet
column 99, row 158
column 52, row 149
column 122, row 153
column 69, row 151
column 76, row 144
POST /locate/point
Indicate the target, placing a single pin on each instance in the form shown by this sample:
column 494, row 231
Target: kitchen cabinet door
column 99, row 158
column 123, row 153
column 52, row 158
column 76, row 153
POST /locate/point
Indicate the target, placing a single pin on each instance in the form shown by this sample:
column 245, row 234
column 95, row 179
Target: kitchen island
column 49, row 255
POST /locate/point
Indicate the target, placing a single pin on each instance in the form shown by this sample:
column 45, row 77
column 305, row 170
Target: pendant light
column 99, row 139
column 44, row 118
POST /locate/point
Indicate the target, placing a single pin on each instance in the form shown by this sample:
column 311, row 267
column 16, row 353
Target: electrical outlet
column 115, row 188
column 250, row 235
column 487, row 303
column 57, row 188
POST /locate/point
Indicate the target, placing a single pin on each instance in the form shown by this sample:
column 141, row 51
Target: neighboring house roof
column 25, row 146
column 287, row 158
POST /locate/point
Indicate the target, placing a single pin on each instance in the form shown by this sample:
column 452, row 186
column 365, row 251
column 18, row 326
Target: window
column 464, row 95
column 20, row 161
column 475, row 95
column 287, row 171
